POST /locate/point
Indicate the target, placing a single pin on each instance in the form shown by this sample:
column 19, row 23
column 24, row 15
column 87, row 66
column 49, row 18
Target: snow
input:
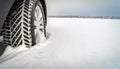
column 74, row 43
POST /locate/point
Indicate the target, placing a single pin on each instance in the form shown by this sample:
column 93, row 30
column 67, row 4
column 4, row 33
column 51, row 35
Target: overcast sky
column 83, row 7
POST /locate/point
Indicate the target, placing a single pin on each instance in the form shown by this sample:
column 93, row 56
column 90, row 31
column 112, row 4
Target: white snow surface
column 74, row 43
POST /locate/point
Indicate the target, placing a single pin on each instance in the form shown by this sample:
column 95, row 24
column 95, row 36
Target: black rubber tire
column 18, row 27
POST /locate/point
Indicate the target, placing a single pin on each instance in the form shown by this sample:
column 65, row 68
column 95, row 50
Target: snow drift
column 75, row 43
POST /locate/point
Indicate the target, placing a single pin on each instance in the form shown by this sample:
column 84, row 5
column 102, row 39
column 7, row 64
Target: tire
column 20, row 25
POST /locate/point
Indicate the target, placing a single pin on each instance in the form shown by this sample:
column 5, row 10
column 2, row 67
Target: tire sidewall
column 37, row 2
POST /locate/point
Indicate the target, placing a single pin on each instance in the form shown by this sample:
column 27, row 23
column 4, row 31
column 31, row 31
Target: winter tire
column 25, row 24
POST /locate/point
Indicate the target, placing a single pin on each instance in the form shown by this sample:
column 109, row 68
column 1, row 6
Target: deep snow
column 74, row 43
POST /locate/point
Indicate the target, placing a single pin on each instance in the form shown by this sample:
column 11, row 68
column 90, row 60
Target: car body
column 5, row 6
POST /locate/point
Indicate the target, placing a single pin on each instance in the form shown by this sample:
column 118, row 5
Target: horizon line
column 96, row 17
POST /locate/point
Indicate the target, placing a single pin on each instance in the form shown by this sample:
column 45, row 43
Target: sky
column 83, row 7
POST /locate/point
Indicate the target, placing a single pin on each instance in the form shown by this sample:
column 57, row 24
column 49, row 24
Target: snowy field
column 74, row 43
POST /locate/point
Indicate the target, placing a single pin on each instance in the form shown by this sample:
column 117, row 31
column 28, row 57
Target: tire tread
column 16, row 29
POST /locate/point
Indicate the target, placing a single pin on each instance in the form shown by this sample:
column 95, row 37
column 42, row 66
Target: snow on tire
column 19, row 27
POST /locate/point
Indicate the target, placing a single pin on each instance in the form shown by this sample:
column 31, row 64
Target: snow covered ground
column 74, row 43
